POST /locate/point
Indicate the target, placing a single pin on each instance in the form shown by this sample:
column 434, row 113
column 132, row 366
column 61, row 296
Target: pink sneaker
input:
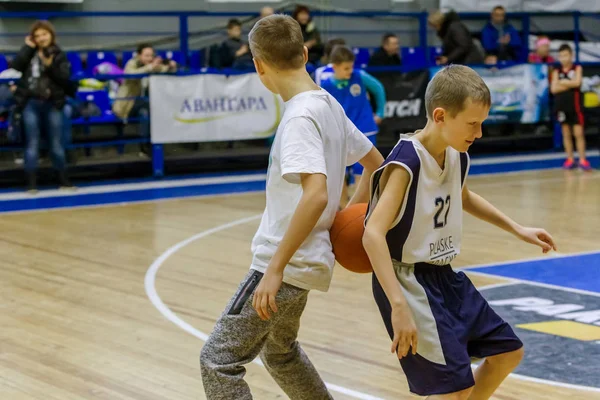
column 569, row 164
column 585, row 165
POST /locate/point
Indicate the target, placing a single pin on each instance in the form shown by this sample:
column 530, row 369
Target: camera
column 50, row 51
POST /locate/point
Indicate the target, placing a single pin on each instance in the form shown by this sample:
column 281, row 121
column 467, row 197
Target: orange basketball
column 346, row 239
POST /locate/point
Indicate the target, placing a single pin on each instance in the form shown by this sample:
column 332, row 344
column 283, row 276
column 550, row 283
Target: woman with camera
column 41, row 96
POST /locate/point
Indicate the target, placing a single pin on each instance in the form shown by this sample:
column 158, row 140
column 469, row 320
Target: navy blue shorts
column 454, row 323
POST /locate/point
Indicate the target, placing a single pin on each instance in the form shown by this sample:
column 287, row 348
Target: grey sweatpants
column 240, row 335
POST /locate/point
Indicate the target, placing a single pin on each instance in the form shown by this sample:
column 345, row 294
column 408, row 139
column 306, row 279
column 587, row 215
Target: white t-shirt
column 314, row 136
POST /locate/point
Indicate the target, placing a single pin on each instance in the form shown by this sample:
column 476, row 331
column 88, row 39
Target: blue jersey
column 323, row 73
column 352, row 95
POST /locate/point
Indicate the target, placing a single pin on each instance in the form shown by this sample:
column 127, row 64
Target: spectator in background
column 266, row 11
column 310, row 33
column 542, row 52
column 41, row 95
column 566, row 87
column 388, row 54
column 457, row 44
column 491, row 59
column 234, row 52
column 501, row 38
column 326, row 71
column 132, row 90
column 351, row 88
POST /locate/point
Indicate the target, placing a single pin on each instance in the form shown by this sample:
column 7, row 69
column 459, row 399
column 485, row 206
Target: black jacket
column 382, row 59
column 457, row 43
column 58, row 76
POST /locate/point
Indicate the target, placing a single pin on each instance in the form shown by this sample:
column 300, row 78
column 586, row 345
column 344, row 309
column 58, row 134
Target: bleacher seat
column 363, row 55
column 413, row 57
column 127, row 55
column 3, row 63
column 101, row 99
column 434, row 53
column 197, row 58
column 76, row 64
column 176, row 56
column 98, row 57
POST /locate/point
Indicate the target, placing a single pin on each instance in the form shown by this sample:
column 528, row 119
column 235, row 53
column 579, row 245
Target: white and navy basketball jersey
column 428, row 228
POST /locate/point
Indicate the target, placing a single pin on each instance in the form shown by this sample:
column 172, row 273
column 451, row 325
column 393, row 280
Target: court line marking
column 223, row 180
column 587, row 176
column 532, row 157
column 532, row 259
column 512, row 281
column 535, row 283
column 129, row 203
column 127, row 187
column 150, row 286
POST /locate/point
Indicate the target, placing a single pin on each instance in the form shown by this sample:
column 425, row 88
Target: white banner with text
column 210, row 108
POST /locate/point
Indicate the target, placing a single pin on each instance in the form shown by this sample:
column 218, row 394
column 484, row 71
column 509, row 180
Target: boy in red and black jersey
column 566, row 83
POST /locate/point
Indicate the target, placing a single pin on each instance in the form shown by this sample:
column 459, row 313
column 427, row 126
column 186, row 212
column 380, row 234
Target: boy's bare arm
column 484, row 210
column 556, row 86
column 573, row 83
column 370, row 163
column 310, row 208
column 375, row 244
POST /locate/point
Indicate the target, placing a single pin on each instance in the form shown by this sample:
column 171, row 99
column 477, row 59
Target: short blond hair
column 277, row 40
column 452, row 86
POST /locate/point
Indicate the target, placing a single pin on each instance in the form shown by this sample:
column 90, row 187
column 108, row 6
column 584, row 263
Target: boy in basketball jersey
column 565, row 86
column 292, row 252
column 350, row 88
column 325, row 72
column 435, row 317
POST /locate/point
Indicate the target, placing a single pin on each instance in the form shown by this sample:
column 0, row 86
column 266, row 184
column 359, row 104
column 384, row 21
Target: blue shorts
column 357, row 169
column 454, row 323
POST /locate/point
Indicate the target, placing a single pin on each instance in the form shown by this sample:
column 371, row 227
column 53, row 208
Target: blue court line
column 522, row 166
column 89, row 199
column 478, row 169
column 578, row 271
column 122, row 195
column 168, row 178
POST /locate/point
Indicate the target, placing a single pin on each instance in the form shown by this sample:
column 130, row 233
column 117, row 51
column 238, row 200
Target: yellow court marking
column 568, row 329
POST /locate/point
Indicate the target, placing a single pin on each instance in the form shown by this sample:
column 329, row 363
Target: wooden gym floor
column 77, row 319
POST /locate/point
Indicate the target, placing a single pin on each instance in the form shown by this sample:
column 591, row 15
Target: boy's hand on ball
column 264, row 295
column 537, row 236
column 405, row 331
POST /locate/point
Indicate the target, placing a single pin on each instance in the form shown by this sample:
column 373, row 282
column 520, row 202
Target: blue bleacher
column 3, row 63
column 101, row 99
column 197, row 58
column 98, row 57
column 127, row 55
column 414, row 57
column 176, row 56
column 434, row 52
column 363, row 55
column 76, row 64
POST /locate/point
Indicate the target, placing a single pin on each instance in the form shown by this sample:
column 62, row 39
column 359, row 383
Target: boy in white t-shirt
column 292, row 254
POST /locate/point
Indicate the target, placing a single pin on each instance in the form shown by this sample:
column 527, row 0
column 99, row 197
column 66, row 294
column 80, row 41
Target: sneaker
column 569, row 164
column 64, row 182
column 31, row 183
column 585, row 165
